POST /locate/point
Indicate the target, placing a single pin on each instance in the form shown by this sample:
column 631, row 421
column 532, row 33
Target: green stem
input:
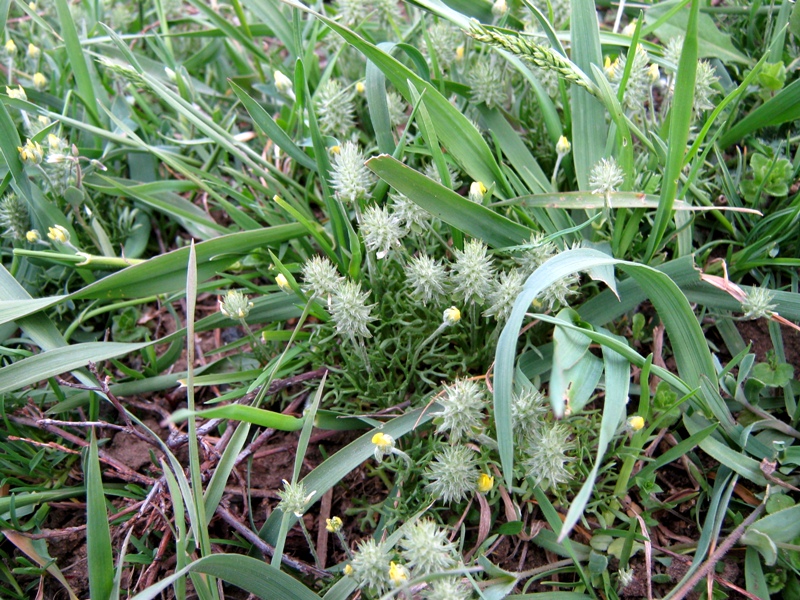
column 310, row 543
column 81, row 259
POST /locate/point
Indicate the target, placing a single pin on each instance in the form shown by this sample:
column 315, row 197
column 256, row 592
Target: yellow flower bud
column 333, row 525
column 360, row 87
column 335, row 149
column 397, row 573
column 16, row 94
column 485, row 483
column 635, row 423
column 33, row 236
column 563, row 146
column 476, row 192
column 460, row 53
column 39, row 81
column 654, row 73
column 348, row 570
column 451, row 315
column 11, row 47
column 629, row 29
column 283, row 283
column 499, row 8
column 31, row 152
column 282, row 83
column 58, row 233
column 33, row 51
column 383, row 441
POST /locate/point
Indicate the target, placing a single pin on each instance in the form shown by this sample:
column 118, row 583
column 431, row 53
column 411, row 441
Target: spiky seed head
column 528, row 408
column 335, row 108
column 294, row 498
column 426, row 549
column 370, row 566
column 488, row 83
column 462, row 410
column 504, row 294
column 14, row 218
column 411, row 215
column 606, row 176
column 350, row 311
column 235, row 305
column 448, row 588
column 704, row 91
column 758, row 303
column 538, row 252
column 320, row 276
column 350, row 178
column 453, row 474
column 557, row 294
column 547, row 456
column 426, row 278
column 381, row 230
column 473, row 273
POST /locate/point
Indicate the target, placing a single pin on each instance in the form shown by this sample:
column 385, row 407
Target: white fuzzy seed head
column 547, row 456
column 453, row 474
column 335, row 108
column 320, row 276
column 381, row 230
column 370, row 566
column 426, row 549
column 473, row 273
column 350, row 311
column 606, row 176
column 350, row 178
column 503, row 294
column 426, row 278
column 462, row 410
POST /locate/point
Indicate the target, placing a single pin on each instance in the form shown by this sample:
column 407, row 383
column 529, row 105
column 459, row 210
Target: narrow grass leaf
column 246, row 414
column 273, row 131
column 98, row 534
column 781, row 108
column 589, row 131
column 617, row 384
column 679, row 123
column 60, row 360
column 473, row 219
column 29, row 547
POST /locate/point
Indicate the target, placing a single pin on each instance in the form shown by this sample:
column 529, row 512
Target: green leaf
column 60, row 360
column 98, row 534
column 250, row 574
column 473, row 219
column 589, row 131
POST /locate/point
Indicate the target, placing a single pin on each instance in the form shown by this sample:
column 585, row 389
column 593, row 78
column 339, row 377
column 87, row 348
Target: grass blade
column 98, row 534
column 679, row 124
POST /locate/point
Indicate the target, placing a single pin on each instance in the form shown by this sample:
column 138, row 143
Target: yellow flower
column 476, row 192
column 460, row 53
column 360, row 87
column 58, row 234
column 451, row 315
column 335, row 149
column 485, row 483
column 33, row 51
column 653, row 72
column 39, row 81
column 499, row 8
column 11, row 47
column 33, row 236
column 635, row 423
column 563, row 146
column 282, row 83
column 283, row 283
column 348, row 570
column 397, row 573
column 31, row 152
column 333, row 525
column 383, row 441
column 16, row 94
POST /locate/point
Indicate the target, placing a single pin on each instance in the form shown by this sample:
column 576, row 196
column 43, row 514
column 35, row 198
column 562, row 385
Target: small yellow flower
column 629, row 29
column 33, row 51
column 485, row 483
column 609, row 67
column 11, row 47
column 31, row 152
column 16, row 94
column 283, row 283
column 460, row 53
column 333, row 525
column 360, row 87
column 58, row 233
column 282, row 82
column 397, row 573
column 39, row 81
column 43, row 120
column 335, row 149
column 383, row 441
column 476, row 192
column 451, row 315
column 635, row 423
column 33, row 236
column 654, row 73
column 563, row 146
column 348, row 570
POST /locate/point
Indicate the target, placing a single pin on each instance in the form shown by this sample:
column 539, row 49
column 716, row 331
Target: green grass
column 515, row 339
